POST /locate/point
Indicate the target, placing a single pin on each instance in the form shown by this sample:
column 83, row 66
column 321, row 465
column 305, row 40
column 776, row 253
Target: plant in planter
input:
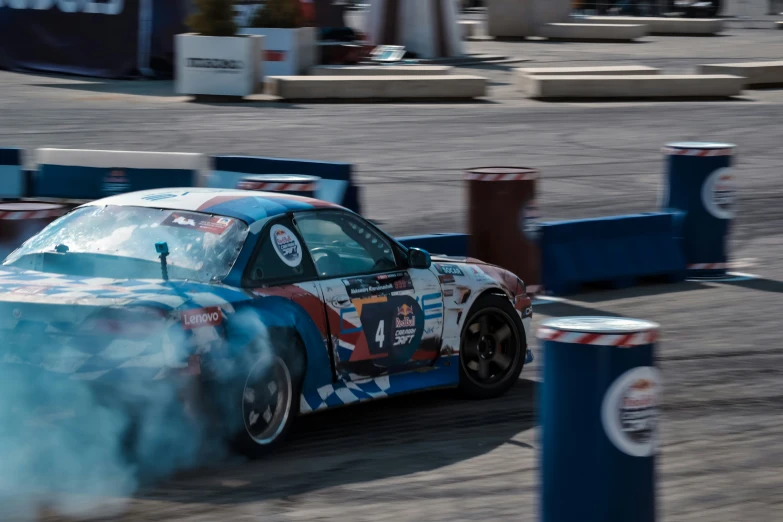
column 279, row 14
column 290, row 41
column 214, row 59
column 214, row 18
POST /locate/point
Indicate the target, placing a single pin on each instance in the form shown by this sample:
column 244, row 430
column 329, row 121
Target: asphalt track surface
column 432, row 456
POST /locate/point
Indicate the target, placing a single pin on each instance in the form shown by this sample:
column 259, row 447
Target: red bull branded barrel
column 293, row 184
column 699, row 187
column 599, row 419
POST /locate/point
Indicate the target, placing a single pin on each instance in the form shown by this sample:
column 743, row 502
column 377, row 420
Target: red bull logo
column 407, row 319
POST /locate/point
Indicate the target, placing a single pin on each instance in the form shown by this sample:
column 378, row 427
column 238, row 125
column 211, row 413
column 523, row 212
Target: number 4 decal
column 379, row 337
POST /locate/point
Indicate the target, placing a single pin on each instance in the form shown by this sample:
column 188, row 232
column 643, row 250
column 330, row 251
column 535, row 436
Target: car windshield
column 120, row 242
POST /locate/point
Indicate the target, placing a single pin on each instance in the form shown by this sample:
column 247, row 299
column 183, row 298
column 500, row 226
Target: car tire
column 492, row 348
column 270, row 398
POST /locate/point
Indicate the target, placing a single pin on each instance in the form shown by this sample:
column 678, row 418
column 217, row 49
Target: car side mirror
column 418, row 258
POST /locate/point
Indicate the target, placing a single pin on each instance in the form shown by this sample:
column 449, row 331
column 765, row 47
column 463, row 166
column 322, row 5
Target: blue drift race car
column 255, row 307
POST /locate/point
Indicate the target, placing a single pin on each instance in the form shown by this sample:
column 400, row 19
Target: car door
column 384, row 317
column 281, row 268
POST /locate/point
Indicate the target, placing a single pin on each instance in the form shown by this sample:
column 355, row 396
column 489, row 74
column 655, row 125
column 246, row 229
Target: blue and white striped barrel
column 699, row 185
column 599, row 419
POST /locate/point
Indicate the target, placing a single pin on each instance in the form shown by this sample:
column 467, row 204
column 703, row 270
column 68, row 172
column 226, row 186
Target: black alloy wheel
column 492, row 349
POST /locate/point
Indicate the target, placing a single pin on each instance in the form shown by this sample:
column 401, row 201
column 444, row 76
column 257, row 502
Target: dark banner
column 103, row 38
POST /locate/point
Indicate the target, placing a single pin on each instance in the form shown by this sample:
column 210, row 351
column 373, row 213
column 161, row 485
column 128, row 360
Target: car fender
column 274, row 318
column 462, row 287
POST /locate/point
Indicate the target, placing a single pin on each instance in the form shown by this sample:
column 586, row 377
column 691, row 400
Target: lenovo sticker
column 211, row 316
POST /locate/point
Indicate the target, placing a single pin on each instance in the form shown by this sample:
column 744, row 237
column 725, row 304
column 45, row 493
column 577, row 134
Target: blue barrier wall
column 443, row 244
column 336, row 183
column 12, row 176
column 616, row 249
column 95, row 174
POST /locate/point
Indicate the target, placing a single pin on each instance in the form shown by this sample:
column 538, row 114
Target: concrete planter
column 219, row 66
column 287, row 52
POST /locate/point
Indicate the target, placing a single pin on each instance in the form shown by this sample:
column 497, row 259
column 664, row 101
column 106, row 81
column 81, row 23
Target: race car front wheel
column 492, row 348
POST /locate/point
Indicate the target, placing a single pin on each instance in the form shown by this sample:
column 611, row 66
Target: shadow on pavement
column 763, row 285
column 365, row 442
column 155, row 88
column 641, row 290
column 561, row 309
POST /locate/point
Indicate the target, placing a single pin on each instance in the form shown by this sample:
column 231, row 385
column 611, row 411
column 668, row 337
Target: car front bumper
column 527, row 322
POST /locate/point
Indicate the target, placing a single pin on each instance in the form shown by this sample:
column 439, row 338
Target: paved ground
column 438, row 458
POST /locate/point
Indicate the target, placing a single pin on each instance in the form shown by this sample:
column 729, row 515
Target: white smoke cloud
column 64, row 443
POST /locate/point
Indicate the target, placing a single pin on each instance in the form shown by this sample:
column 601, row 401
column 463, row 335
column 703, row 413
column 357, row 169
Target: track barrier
column 455, row 245
column 336, row 183
column 687, row 238
column 699, row 186
column 616, row 250
column 599, row 409
column 94, row 174
column 12, row 175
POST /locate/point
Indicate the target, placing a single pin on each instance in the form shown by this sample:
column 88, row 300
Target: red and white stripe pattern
column 708, row 266
column 522, row 176
column 276, row 187
column 20, row 215
column 598, row 339
column 670, row 151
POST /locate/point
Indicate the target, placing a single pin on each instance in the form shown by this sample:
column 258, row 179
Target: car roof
column 247, row 205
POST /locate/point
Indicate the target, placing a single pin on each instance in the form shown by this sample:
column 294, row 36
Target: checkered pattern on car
column 62, row 346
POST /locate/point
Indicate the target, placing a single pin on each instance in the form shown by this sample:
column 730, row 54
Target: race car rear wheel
column 267, row 400
column 492, row 348
column 270, row 399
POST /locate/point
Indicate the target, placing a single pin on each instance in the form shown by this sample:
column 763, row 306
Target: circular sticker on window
column 529, row 217
column 718, row 194
column 630, row 411
column 287, row 245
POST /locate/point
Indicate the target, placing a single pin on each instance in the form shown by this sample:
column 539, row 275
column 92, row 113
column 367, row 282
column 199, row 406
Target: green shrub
column 283, row 14
column 214, row 18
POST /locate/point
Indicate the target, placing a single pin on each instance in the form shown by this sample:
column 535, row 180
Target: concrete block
column 381, row 70
column 635, row 86
column 666, row 26
column 524, row 74
column 756, row 73
column 571, row 31
column 376, row 87
column 612, row 70
column 470, row 28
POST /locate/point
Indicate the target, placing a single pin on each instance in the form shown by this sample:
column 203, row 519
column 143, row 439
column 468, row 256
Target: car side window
column 341, row 244
column 280, row 256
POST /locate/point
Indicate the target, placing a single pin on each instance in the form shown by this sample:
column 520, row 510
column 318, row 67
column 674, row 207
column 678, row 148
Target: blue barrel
column 700, row 186
column 293, row 184
column 599, row 419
